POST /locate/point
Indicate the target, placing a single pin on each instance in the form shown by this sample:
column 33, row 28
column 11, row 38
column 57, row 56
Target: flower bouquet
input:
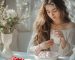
column 8, row 20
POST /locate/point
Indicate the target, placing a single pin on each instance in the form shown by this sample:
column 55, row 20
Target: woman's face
column 53, row 13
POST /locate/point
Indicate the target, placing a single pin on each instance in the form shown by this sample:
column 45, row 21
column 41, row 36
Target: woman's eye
column 54, row 10
column 48, row 11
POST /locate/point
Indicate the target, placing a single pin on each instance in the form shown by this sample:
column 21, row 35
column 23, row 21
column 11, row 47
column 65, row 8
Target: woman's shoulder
column 71, row 25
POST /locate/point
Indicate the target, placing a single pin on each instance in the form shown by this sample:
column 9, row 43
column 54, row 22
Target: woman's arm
column 31, row 46
column 67, row 50
column 65, row 47
column 38, row 48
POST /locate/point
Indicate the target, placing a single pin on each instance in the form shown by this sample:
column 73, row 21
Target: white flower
column 3, row 22
column 11, row 13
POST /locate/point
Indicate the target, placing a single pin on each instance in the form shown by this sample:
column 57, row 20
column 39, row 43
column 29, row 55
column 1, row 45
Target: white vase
column 6, row 40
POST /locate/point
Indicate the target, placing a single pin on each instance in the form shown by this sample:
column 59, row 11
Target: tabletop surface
column 31, row 57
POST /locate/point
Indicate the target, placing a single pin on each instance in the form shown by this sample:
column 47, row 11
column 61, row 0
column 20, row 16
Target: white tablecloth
column 31, row 57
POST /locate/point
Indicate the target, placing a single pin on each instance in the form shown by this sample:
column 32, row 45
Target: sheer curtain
column 28, row 9
column 24, row 9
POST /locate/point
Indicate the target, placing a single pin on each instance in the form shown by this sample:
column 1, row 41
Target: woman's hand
column 47, row 44
column 44, row 45
column 62, row 39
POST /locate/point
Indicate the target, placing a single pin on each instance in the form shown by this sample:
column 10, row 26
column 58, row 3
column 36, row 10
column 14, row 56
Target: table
column 20, row 55
column 63, row 58
column 27, row 56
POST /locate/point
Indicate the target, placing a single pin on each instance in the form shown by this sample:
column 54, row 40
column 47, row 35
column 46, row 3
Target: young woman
column 53, row 27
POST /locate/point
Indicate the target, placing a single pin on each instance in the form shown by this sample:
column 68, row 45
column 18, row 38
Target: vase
column 6, row 40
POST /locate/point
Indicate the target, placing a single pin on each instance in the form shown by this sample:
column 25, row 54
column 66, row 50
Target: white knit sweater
column 69, row 35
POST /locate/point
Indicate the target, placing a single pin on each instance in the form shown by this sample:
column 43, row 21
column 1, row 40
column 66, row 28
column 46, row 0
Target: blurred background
column 23, row 32
column 29, row 8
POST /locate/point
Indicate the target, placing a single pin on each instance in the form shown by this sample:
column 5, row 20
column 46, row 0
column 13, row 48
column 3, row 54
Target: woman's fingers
column 61, row 36
column 59, row 33
column 50, row 42
column 47, row 44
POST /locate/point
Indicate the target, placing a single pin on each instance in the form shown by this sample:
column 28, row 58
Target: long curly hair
column 42, row 24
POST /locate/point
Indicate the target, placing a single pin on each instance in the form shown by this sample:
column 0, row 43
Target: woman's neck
column 59, row 26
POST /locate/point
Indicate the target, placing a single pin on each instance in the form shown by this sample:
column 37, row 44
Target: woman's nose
column 52, row 14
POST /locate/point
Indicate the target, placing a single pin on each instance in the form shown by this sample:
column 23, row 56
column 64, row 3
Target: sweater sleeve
column 69, row 45
column 31, row 47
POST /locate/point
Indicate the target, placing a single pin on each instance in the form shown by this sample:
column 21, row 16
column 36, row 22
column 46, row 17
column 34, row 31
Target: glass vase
column 6, row 40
